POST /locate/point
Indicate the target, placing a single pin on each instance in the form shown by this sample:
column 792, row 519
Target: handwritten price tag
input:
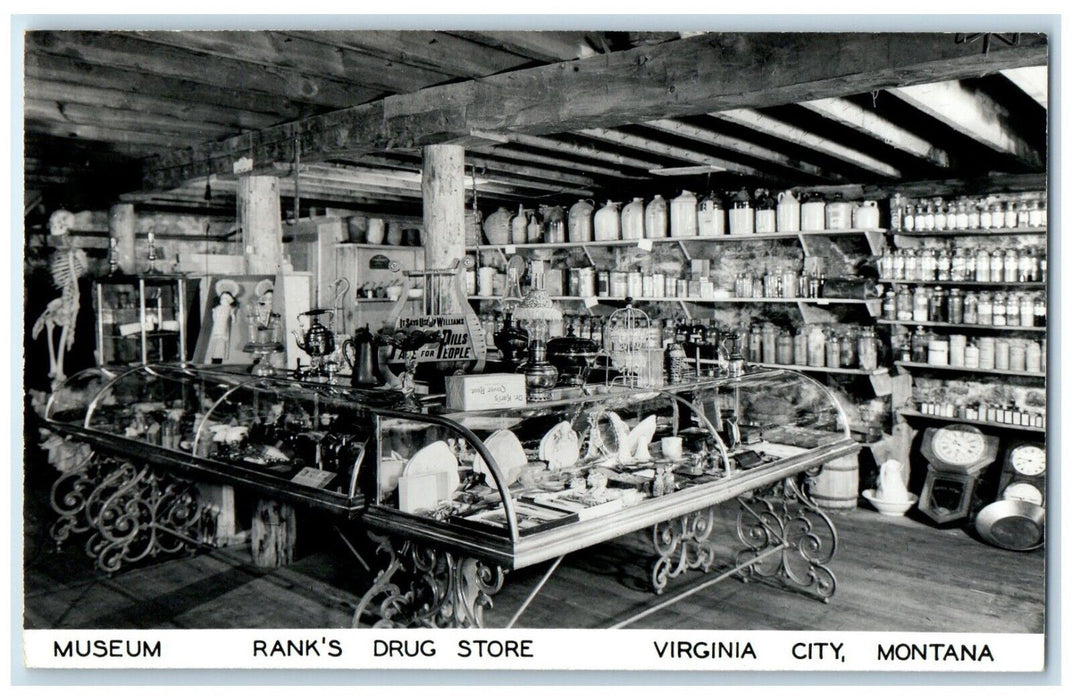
column 511, row 249
column 589, row 302
column 644, row 244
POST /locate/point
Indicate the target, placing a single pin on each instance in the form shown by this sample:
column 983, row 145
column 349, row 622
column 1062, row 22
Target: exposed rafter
column 871, row 124
column 640, row 143
column 1032, row 80
column 793, row 134
column 972, row 113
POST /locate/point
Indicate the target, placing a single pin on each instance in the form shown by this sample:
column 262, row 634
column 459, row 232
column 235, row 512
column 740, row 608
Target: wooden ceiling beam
column 546, row 46
column 562, row 163
column 70, row 71
column 706, row 73
column 275, row 50
column 72, row 113
column 1032, row 80
column 787, row 132
column 973, row 113
column 742, row 147
column 123, row 50
column 438, row 51
column 640, row 143
column 582, row 150
column 873, row 125
column 132, row 142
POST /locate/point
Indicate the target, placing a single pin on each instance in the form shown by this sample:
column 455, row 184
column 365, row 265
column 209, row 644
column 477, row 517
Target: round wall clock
column 1023, row 475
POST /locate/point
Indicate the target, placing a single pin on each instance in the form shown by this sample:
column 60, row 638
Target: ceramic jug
column 742, row 220
column 765, row 216
column 683, row 214
column 497, row 227
column 580, row 221
column 518, row 224
column 607, row 225
column 375, row 232
column 788, row 212
column 711, row 217
column 655, row 218
column 633, row 220
column 865, row 215
column 813, row 213
column 838, row 214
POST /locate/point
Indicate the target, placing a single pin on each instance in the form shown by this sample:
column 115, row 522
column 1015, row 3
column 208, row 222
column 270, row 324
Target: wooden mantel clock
column 957, row 455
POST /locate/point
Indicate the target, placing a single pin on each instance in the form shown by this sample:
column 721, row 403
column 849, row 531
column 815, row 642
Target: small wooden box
column 477, row 392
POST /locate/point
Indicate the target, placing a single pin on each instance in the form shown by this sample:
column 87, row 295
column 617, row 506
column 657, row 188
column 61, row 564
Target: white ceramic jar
column 656, row 218
column 788, row 212
column 865, row 215
column 580, row 221
column 683, row 215
column 711, row 217
column 633, row 220
column 497, row 227
column 607, row 223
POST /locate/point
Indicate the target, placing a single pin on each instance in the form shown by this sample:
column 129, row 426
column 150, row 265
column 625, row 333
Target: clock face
column 958, row 446
column 1022, row 491
column 1029, row 460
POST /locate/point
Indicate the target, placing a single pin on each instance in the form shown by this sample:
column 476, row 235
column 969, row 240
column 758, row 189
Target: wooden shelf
column 809, row 368
column 964, row 326
column 378, row 246
column 637, row 243
column 1019, row 230
column 967, row 283
column 696, row 300
column 908, row 413
column 970, row 370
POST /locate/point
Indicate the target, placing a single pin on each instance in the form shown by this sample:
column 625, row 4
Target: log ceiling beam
column 545, row 46
column 561, row 163
column 620, row 138
column 869, row 123
column 972, row 113
column 742, row 147
column 705, row 73
column 1032, row 80
column 582, row 150
column 787, row 132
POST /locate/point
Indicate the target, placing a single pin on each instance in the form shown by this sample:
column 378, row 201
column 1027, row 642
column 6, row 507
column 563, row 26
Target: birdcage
column 633, row 343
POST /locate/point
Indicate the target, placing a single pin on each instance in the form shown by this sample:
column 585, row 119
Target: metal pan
column 1012, row 524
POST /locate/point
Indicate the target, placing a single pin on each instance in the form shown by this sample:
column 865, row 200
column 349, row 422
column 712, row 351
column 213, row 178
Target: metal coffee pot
column 361, row 353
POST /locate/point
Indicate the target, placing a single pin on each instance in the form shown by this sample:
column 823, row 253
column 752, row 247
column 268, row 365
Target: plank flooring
column 893, row 574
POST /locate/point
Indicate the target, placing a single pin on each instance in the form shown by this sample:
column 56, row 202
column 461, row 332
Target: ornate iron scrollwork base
column 783, row 517
column 683, row 544
column 421, row 586
column 130, row 512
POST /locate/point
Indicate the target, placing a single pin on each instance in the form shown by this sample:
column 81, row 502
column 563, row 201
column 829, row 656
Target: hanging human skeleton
column 66, row 265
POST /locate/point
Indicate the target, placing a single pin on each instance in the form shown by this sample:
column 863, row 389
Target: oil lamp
column 536, row 313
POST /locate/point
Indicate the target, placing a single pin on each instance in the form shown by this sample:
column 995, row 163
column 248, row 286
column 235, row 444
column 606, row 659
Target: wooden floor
column 893, row 574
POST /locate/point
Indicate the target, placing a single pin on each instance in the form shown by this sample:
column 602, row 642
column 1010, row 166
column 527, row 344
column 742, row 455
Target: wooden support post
column 262, row 226
column 443, row 191
column 121, row 228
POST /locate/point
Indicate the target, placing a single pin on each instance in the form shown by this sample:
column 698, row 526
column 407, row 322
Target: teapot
column 360, row 352
column 317, row 340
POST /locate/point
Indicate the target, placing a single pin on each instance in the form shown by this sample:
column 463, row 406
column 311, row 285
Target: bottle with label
column 962, row 214
column 971, row 308
column 800, row 348
column 920, row 305
column 849, row 348
column 997, row 265
column 904, row 304
column 982, row 265
column 940, row 216
column 711, row 217
column 998, row 310
column 1033, row 357
column 986, row 309
column 1012, row 265
column 770, row 343
column 867, row 349
column 936, row 306
column 919, row 345
column 911, row 266
column 1028, row 265
column 899, row 265
column 973, row 214
column 1034, row 215
column 943, row 265
column 833, row 350
column 742, row 218
column 1027, row 309
column 889, row 306
column 1012, row 310
column 908, row 218
column 928, row 218
column 766, row 218
column 986, row 218
column 958, row 266
column 1012, row 217
column 928, row 265
column 1040, row 310
column 816, row 347
column 955, row 306
column 1023, row 215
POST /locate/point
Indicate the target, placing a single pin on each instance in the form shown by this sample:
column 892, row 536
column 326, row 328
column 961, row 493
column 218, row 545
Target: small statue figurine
column 223, row 316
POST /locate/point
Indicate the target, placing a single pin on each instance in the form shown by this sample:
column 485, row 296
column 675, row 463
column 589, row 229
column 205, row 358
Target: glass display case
column 464, row 496
column 144, row 318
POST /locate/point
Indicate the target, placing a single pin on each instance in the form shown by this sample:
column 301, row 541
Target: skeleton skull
column 60, row 222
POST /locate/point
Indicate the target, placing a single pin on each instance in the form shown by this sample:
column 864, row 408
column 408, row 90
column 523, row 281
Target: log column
column 273, row 531
column 121, row 228
column 443, row 194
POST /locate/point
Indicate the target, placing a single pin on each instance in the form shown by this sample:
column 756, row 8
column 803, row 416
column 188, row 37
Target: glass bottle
column 1040, row 310
column 986, row 219
column 969, row 264
column 899, row 265
column 985, row 310
column 919, row 345
column 816, row 347
column 928, row 218
column 940, row 217
column 955, row 306
column 997, row 215
column 867, row 349
column 1011, row 215
column 982, row 265
column 920, row 305
column 936, row 306
column 1028, row 265
column 1012, row 265
column 908, row 220
column 1027, row 310
column 911, row 266
column 962, row 215
column 1012, row 310
column 973, row 214
column 1034, row 215
column 971, row 308
column 889, row 306
column 770, row 344
column 958, row 266
column 928, row 265
column 833, row 350
column 849, row 347
column 1023, row 215
column 904, row 304
column 800, row 348
column 943, row 265
column 998, row 317
column 784, row 354
column 997, row 265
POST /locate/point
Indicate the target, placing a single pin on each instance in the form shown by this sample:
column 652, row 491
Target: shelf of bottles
column 970, row 370
column 1035, row 421
column 809, row 368
column 140, row 319
column 992, row 214
column 709, row 300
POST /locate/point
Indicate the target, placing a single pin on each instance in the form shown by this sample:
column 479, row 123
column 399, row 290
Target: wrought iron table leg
column 434, row 588
column 682, row 544
column 784, row 517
